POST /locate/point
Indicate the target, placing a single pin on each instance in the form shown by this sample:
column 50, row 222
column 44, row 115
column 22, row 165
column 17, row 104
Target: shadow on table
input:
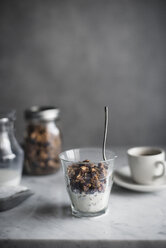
column 52, row 210
column 117, row 190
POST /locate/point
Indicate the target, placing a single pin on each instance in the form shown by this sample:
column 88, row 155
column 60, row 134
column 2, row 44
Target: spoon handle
column 105, row 132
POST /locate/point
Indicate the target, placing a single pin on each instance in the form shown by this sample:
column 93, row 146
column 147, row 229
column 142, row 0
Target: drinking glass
column 88, row 180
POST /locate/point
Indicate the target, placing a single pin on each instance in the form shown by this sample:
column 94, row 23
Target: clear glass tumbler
column 88, row 180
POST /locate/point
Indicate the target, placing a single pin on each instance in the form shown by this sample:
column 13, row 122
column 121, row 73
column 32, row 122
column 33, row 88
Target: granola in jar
column 42, row 141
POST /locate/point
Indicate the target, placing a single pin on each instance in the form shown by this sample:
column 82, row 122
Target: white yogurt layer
column 90, row 202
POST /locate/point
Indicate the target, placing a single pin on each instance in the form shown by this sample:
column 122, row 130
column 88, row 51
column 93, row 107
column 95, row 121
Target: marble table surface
column 44, row 220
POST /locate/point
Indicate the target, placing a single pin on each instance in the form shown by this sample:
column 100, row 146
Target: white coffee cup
column 147, row 164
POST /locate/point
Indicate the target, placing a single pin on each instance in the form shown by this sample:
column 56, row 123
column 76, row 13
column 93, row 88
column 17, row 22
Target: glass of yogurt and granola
column 88, row 180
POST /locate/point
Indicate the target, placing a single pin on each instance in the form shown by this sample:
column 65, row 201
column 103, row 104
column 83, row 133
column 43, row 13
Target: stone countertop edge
column 82, row 243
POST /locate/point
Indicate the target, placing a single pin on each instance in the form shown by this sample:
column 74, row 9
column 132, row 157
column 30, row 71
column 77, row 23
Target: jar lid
column 43, row 113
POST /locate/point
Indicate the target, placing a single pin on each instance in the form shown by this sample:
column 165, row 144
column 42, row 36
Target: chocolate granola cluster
column 41, row 150
column 87, row 177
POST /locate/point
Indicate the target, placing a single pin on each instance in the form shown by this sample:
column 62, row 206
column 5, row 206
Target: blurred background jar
column 42, row 142
column 11, row 154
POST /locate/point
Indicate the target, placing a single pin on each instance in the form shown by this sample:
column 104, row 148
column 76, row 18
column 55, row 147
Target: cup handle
column 163, row 163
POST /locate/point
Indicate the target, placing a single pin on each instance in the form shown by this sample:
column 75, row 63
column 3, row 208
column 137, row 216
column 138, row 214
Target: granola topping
column 86, row 177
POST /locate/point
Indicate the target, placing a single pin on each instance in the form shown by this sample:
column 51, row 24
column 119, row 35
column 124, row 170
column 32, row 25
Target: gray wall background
column 81, row 55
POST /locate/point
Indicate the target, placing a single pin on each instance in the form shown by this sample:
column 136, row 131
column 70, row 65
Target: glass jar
column 42, row 142
column 11, row 154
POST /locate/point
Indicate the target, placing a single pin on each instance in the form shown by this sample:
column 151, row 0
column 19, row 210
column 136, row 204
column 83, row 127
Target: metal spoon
column 105, row 132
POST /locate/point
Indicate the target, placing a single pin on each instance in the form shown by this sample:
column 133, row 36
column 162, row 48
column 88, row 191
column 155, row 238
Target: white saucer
column 122, row 177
